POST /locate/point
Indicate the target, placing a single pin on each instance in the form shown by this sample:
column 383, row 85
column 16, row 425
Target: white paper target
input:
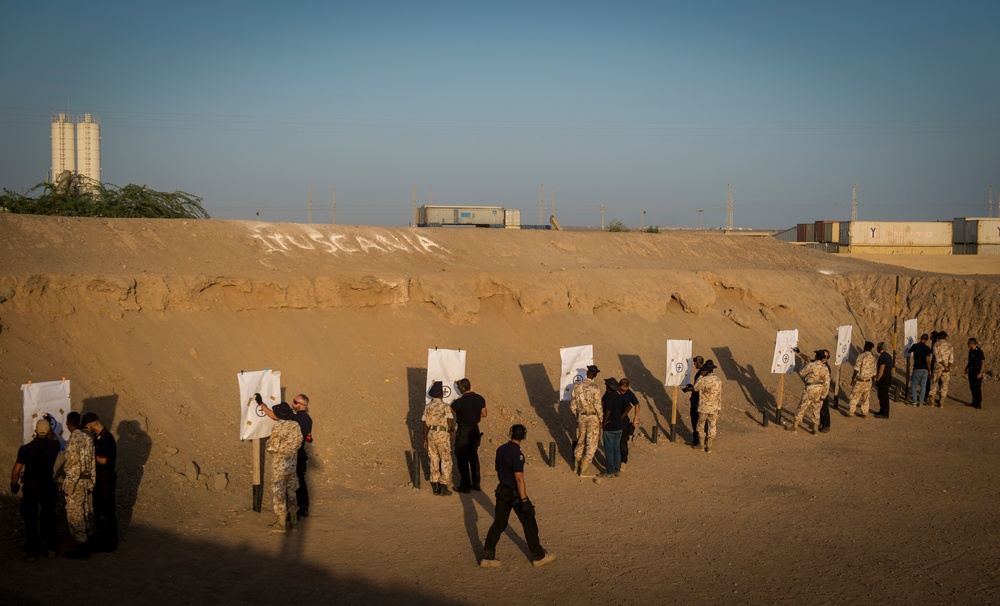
column 573, row 364
column 254, row 422
column 447, row 366
column 910, row 335
column 678, row 363
column 843, row 345
column 47, row 397
column 784, row 358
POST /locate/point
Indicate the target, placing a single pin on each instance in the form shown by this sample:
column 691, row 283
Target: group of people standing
column 89, row 484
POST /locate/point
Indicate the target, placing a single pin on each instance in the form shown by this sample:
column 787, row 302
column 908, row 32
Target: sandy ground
column 151, row 320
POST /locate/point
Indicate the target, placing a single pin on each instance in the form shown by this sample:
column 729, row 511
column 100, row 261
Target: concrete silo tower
column 63, row 146
column 88, row 147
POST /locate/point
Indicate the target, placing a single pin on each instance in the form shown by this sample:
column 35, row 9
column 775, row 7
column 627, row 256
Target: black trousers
column 882, row 388
column 302, row 493
column 628, row 430
column 976, row 387
column 508, row 500
column 824, row 414
column 105, row 513
column 38, row 510
column 467, row 440
column 694, row 418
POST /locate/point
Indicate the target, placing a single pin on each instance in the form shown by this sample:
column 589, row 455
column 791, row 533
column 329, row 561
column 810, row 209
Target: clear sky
column 634, row 105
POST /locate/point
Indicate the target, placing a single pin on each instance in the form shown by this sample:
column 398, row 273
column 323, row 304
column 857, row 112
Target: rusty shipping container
column 827, row 231
column 896, row 233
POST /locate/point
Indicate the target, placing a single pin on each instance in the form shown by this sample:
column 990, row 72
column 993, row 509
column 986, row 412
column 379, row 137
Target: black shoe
column 824, row 430
column 436, row 487
column 463, row 489
column 879, row 415
column 477, row 488
column 303, row 512
column 443, row 491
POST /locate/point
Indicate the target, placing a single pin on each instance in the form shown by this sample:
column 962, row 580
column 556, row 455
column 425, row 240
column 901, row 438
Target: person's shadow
column 134, row 445
column 750, row 384
column 416, row 462
column 471, row 502
column 544, row 398
column 645, row 384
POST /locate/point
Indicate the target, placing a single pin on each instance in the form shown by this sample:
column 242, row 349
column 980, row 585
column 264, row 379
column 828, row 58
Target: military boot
column 700, row 443
column 293, row 518
column 793, row 426
column 586, row 470
column 280, row 525
column 815, row 430
column 443, row 490
column 576, row 466
column 436, row 487
column 708, row 445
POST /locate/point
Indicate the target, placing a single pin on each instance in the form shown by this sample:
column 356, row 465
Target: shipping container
column 512, row 219
column 868, row 249
column 788, row 235
column 802, row 232
column 976, row 231
column 991, row 250
column 482, row 216
column 898, row 233
column 827, row 231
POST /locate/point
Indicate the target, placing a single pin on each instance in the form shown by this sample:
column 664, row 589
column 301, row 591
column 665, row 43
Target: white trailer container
column 512, row 219
column 896, row 234
column 479, row 216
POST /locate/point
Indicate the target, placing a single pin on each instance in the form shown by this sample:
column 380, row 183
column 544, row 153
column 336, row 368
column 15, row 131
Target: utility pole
column 553, row 201
column 602, row 216
column 989, row 208
column 642, row 221
column 431, row 203
column 854, row 203
column 310, row 204
column 334, row 216
column 416, row 219
column 700, row 210
column 729, row 207
column 541, row 204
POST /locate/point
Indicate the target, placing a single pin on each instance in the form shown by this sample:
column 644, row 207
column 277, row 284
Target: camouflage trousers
column 859, row 396
column 812, row 397
column 706, row 423
column 283, row 487
column 439, row 453
column 944, row 377
column 76, row 510
column 588, row 432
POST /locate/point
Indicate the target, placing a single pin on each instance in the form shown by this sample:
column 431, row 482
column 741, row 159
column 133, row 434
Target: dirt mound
column 153, row 319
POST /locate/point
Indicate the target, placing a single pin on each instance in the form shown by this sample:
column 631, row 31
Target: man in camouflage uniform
column 944, row 357
column 439, row 425
column 709, row 389
column 286, row 437
column 816, row 375
column 864, row 371
column 81, row 469
column 585, row 403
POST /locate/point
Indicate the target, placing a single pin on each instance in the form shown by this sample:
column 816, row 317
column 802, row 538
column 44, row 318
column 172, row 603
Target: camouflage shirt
column 816, row 373
column 944, row 353
column 286, row 437
column 437, row 413
column 866, row 366
column 710, row 388
column 586, row 398
column 80, row 462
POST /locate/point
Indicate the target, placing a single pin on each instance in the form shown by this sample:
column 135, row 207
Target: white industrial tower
column 76, row 146
column 729, row 207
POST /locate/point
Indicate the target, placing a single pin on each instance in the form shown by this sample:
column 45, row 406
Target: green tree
column 616, row 225
column 78, row 197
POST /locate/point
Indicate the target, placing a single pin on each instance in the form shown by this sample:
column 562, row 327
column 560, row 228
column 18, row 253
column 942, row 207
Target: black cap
column 612, row 384
column 88, row 419
column 436, row 390
column 708, row 365
column 283, row 411
column 593, row 369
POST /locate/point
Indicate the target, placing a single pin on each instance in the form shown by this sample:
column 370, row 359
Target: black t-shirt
column 614, row 404
column 105, row 446
column 976, row 360
column 305, row 424
column 469, row 408
column 510, row 459
column 885, row 359
column 39, row 459
column 920, row 351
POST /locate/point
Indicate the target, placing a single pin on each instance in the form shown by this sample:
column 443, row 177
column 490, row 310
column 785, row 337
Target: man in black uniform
column 468, row 409
column 974, row 370
column 628, row 426
column 300, row 404
column 883, row 380
column 512, row 494
column 37, row 460
column 106, row 453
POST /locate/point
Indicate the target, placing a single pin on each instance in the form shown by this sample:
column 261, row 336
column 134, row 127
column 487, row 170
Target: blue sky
column 634, row 105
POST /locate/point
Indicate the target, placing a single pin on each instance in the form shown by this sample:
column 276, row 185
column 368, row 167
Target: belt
column 438, row 428
column 588, row 414
column 84, row 476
